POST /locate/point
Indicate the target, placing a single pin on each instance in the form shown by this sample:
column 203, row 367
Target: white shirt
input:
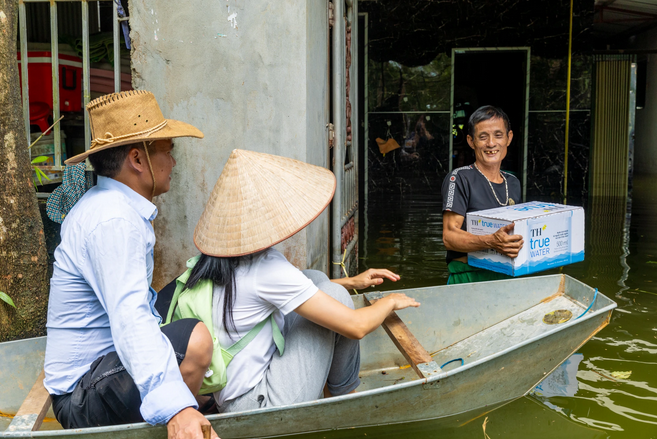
column 266, row 284
column 101, row 301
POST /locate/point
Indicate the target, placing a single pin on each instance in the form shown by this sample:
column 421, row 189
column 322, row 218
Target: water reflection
column 621, row 260
column 561, row 382
column 528, row 418
column 406, row 237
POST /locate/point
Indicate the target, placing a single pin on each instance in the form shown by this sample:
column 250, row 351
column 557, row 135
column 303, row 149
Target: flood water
column 621, row 261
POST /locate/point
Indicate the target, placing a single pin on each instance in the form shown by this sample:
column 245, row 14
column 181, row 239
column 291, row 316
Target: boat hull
column 482, row 384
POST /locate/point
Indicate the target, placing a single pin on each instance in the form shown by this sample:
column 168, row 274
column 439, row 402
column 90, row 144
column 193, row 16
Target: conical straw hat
column 261, row 200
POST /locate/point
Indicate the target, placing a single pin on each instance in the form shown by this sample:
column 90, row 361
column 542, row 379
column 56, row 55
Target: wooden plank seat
column 34, row 408
column 418, row 357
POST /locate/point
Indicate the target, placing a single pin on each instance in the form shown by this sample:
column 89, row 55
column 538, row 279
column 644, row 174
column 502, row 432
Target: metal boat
column 488, row 343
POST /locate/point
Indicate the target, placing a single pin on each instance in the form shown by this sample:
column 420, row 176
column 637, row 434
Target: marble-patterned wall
column 411, row 106
column 421, row 161
column 545, row 164
column 409, row 70
column 547, row 127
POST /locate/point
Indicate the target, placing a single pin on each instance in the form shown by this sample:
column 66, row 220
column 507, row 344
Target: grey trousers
column 314, row 356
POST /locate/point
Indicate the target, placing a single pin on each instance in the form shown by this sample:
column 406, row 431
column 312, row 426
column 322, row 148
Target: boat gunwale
column 336, row 399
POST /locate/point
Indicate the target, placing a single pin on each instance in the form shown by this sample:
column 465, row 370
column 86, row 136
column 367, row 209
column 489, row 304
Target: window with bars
column 70, row 52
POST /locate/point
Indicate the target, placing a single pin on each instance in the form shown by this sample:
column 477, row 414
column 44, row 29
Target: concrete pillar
column 645, row 144
column 250, row 74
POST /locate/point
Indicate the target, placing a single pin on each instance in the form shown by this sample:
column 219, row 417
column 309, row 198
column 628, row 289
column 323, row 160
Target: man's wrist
column 158, row 407
column 390, row 304
column 179, row 412
column 486, row 241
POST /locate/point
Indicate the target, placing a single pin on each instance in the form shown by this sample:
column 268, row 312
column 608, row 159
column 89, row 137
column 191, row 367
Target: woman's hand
column 401, row 301
column 368, row 278
column 329, row 313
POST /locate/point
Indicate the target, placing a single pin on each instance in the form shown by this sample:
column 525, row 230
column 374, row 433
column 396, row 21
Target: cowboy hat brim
column 173, row 129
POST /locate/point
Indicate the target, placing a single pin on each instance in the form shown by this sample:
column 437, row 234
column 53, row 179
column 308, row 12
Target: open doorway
column 496, row 77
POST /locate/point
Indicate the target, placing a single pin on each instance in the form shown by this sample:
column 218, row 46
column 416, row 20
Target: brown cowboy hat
column 128, row 117
column 261, row 200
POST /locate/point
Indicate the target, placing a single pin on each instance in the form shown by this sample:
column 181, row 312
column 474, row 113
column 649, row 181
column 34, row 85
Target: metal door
column 344, row 153
column 520, row 123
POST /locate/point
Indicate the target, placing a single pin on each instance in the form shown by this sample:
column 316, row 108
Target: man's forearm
column 149, row 359
column 465, row 242
column 457, row 239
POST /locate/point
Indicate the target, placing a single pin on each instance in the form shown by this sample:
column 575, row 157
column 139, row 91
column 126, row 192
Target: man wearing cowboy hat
column 107, row 360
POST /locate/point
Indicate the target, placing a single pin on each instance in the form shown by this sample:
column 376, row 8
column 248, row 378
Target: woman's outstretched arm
column 356, row 324
column 368, row 278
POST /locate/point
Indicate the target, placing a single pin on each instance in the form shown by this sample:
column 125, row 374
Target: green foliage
column 39, row 173
column 5, row 298
column 42, row 158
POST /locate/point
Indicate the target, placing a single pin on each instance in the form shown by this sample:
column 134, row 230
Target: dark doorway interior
column 490, row 78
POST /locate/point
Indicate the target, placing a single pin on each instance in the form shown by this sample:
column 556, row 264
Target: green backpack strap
column 279, row 341
column 278, row 337
column 180, row 287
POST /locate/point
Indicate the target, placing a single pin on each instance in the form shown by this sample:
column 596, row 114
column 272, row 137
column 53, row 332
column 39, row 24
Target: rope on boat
column 344, row 267
column 451, row 361
column 595, row 296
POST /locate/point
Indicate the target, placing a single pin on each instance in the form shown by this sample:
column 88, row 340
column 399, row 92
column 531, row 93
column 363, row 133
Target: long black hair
column 221, row 271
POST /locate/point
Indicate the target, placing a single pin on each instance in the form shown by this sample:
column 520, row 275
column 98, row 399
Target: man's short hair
column 487, row 112
column 108, row 163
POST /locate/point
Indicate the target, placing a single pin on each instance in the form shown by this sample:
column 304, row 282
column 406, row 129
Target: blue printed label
column 527, row 268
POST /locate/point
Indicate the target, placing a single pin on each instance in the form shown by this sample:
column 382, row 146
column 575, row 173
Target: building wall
column 251, row 75
column 645, row 143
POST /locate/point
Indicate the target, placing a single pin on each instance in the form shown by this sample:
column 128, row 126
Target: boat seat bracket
column 429, row 369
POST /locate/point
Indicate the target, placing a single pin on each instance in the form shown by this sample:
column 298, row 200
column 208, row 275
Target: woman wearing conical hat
column 256, row 303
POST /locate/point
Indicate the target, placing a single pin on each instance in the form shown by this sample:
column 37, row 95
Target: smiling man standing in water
column 481, row 185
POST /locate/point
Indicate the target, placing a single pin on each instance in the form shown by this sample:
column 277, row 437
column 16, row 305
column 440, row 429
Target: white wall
column 250, row 74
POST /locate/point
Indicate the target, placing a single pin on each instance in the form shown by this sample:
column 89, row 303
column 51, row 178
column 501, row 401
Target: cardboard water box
column 553, row 235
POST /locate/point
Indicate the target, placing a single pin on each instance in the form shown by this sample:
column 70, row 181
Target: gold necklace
column 509, row 201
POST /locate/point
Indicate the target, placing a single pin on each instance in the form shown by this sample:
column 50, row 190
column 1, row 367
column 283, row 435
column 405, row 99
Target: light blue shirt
column 101, row 300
